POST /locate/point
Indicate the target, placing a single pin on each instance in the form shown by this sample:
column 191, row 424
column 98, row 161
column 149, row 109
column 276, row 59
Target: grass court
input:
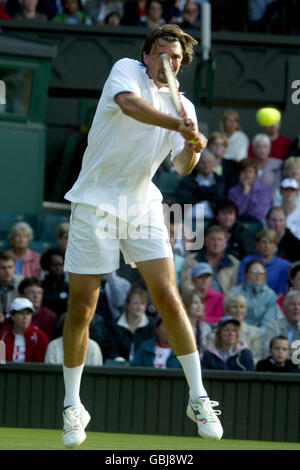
column 50, row 439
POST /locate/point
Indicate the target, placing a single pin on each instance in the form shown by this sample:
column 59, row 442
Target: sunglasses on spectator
column 254, row 271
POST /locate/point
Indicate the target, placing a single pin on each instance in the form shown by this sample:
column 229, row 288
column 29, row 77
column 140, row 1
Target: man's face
column 154, row 64
column 226, row 218
column 7, row 271
column 35, row 295
column 276, row 221
column 272, row 131
column 215, row 243
column 280, row 350
column 289, row 194
column 206, row 165
column 292, row 310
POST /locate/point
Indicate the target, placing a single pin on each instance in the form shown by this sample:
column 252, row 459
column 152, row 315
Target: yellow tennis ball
column 268, row 116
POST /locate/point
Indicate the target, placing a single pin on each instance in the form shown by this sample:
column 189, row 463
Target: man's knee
column 80, row 312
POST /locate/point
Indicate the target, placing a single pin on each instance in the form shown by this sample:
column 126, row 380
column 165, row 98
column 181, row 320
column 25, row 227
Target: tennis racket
column 172, row 83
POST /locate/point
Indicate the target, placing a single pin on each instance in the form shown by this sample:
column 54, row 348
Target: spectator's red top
column 279, row 148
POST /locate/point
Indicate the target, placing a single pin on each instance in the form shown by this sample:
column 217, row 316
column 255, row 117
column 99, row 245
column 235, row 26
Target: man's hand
column 193, row 138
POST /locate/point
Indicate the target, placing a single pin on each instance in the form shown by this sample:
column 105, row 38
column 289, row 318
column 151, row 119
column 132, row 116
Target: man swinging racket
column 136, row 125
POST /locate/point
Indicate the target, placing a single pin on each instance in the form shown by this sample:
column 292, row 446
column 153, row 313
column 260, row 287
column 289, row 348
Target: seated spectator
column 291, row 169
column 3, row 14
column 280, row 144
column 156, row 352
column 55, row 349
column 190, row 15
column 29, row 12
column 133, row 12
column 227, row 352
column 237, row 140
column 9, row 282
column 288, row 325
column 132, row 328
column 24, row 342
column 252, row 197
column 276, row 268
column 27, row 262
column 62, row 234
column 202, row 186
column 289, row 189
column 288, row 245
column 240, row 241
column 108, row 7
column 71, row 14
column 217, row 144
column 113, row 19
column 262, row 307
column 235, row 305
column 268, row 168
column 153, row 14
column 56, row 289
column 278, row 359
column 202, row 275
column 42, row 317
column 224, row 265
column 195, row 309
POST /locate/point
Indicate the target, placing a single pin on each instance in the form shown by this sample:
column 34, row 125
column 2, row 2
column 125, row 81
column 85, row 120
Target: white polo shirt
column 123, row 154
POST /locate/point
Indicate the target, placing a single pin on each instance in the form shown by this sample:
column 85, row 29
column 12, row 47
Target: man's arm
column 139, row 109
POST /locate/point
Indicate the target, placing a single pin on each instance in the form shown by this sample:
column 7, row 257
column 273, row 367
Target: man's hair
column 6, row 256
column 274, row 209
column 226, row 204
column 291, row 294
column 281, row 337
column 215, row 229
column 29, row 282
column 170, row 33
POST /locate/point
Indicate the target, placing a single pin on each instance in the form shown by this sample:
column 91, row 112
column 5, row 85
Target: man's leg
column 83, row 297
column 159, row 275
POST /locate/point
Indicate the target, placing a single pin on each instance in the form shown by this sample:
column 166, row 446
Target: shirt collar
column 123, row 321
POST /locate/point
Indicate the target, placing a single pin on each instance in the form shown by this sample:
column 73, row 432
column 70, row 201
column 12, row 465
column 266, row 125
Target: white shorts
column 95, row 242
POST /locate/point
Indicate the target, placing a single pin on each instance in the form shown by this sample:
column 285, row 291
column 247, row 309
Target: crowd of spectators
column 241, row 289
column 258, row 16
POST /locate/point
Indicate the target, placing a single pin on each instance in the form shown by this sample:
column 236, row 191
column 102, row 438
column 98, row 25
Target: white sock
column 72, row 379
column 192, row 370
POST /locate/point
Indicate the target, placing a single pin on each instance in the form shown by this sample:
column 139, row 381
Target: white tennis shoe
column 201, row 412
column 75, row 418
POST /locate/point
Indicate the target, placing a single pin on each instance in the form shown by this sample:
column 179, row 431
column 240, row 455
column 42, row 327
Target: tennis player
column 115, row 206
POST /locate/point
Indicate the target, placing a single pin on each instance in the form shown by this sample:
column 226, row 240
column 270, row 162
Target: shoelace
column 208, row 405
column 72, row 419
